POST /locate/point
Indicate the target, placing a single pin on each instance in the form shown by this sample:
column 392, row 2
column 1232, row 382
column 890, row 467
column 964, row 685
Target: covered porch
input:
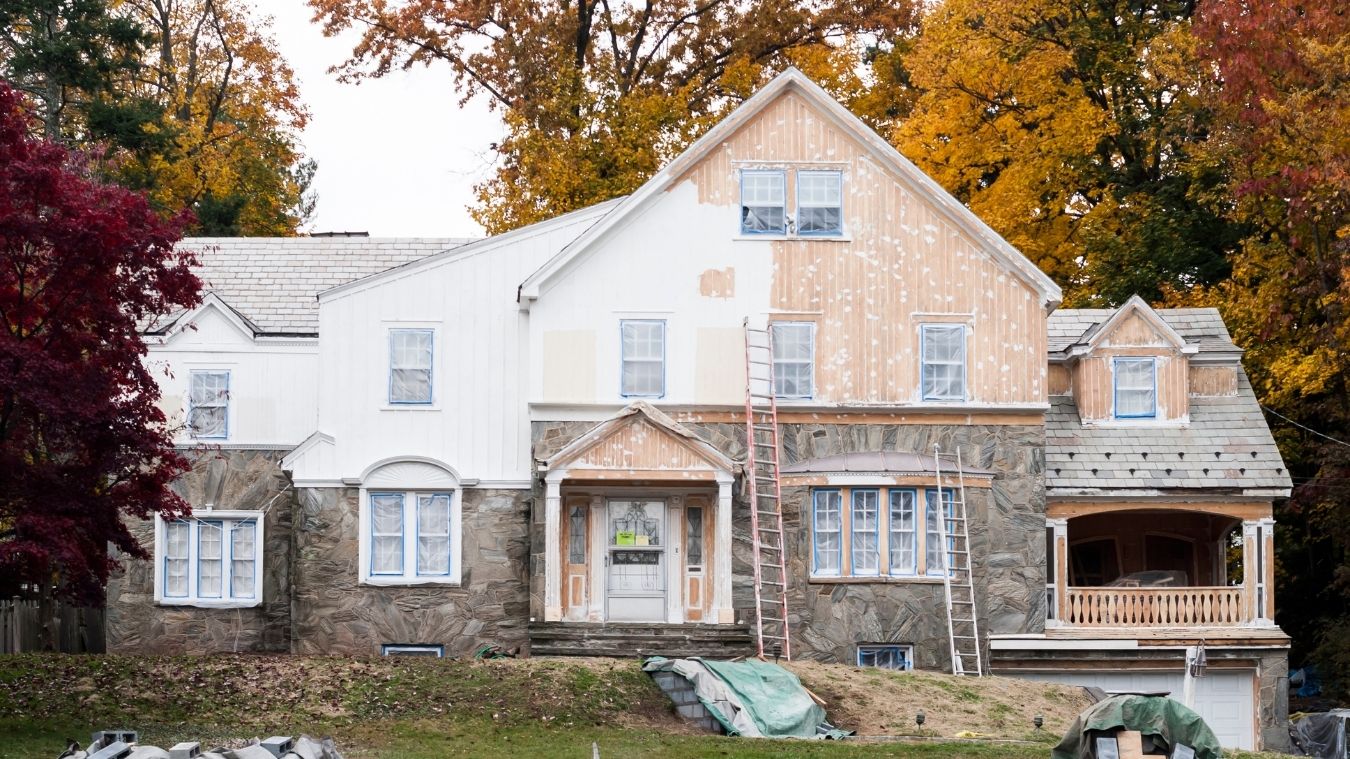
column 637, row 528
column 1133, row 569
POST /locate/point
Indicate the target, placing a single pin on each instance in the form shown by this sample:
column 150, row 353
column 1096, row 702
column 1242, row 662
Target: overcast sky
column 397, row 156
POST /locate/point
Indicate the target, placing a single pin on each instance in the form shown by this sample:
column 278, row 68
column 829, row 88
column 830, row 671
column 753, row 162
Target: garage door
column 1224, row 699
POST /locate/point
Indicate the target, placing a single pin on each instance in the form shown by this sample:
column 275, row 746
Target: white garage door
column 1224, row 699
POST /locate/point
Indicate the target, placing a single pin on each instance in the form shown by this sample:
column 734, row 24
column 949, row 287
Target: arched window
column 410, row 526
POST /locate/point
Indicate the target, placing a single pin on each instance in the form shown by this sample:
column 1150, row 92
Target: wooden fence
column 1155, row 607
column 78, row 630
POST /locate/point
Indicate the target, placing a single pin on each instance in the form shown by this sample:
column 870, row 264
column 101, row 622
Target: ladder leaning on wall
column 958, row 582
column 766, row 496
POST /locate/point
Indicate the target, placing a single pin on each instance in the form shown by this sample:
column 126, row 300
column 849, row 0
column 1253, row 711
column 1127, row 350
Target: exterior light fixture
column 920, row 718
column 777, row 652
column 1038, row 721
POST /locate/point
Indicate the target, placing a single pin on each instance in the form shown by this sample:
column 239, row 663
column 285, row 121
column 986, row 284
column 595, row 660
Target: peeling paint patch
column 717, row 283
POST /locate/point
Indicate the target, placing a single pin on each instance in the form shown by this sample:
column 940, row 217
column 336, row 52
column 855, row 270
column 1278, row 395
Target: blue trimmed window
column 213, row 561
column 820, row 203
column 643, row 358
column 410, row 535
column 208, row 416
column 763, row 202
column 410, row 356
column 886, row 656
column 794, row 359
column 433, row 650
column 909, row 549
column 1136, row 388
column 943, row 350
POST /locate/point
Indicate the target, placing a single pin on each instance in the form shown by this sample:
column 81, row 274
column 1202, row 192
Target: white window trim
column 409, row 575
column 191, row 599
column 920, row 572
column 965, row 362
column 797, row 216
column 906, row 648
column 388, row 401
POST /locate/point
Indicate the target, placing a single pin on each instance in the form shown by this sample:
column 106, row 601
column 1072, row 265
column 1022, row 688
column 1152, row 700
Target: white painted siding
column 477, row 424
column 273, row 384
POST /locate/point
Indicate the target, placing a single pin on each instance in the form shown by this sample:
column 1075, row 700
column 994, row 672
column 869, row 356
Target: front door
column 636, row 561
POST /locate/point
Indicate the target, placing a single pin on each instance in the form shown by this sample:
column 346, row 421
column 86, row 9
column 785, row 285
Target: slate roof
column 1225, row 448
column 272, row 282
column 1201, row 326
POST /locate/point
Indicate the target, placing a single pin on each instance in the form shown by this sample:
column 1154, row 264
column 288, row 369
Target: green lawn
column 391, row 708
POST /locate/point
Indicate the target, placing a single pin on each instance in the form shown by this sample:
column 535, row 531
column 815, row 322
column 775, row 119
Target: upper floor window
column 410, row 352
column 410, row 535
column 209, row 404
column 943, row 348
column 883, row 530
column 643, row 357
column 794, row 359
column 211, row 560
column 1136, row 388
column 763, row 202
column 819, row 203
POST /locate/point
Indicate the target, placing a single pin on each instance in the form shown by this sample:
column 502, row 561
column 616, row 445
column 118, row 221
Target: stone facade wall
column 1007, row 526
column 226, row 479
column 334, row 614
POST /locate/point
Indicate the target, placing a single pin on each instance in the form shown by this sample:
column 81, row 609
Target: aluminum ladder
column 958, row 582
column 766, row 495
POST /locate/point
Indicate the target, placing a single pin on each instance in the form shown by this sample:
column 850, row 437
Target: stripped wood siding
column 1059, row 380
column 1213, row 380
column 640, row 445
column 900, row 264
column 1093, row 375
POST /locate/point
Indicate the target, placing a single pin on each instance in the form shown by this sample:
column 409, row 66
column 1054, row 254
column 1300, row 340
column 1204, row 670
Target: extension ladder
column 766, row 496
column 958, row 582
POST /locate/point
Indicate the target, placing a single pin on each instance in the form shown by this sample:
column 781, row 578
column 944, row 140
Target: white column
column 599, row 559
column 722, row 551
column 675, row 560
column 553, row 546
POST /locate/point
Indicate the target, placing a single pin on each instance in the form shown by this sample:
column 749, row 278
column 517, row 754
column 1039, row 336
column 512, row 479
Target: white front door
column 635, row 561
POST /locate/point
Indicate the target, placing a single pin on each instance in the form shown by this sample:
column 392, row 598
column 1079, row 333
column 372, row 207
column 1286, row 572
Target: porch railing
column 1155, row 607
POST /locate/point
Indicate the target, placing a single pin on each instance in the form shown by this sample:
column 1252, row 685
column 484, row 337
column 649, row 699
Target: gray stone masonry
column 1007, row 525
column 242, row 480
column 334, row 614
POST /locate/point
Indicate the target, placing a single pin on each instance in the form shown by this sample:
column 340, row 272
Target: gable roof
column 1135, row 305
column 1202, row 327
column 273, row 282
column 635, row 413
column 794, row 80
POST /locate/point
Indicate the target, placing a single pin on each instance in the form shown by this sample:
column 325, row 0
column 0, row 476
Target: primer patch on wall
column 569, row 366
column 717, row 283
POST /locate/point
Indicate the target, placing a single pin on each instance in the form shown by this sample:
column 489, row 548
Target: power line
column 1306, row 428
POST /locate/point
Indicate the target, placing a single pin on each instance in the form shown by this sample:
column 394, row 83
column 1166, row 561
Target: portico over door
column 640, row 460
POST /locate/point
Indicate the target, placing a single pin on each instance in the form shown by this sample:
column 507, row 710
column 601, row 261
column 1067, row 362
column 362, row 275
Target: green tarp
column 750, row 697
column 1168, row 721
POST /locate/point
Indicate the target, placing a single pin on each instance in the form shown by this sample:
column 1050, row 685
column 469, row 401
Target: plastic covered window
column 208, row 404
column 944, row 362
column 1136, row 388
column 828, row 523
column 934, row 557
column 433, row 534
column 386, row 534
column 763, row 202
column 211, row 560
column 819, row 203
column 903, row 536
column 793, row 359
column 865, row 538
column 644, row 358
column 176, row 536
column 886, row 657
column 410, row 352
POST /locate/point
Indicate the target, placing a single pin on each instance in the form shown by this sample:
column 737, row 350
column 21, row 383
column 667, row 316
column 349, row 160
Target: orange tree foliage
column 597, row 95
column 1071, row 127
column 1284, row 98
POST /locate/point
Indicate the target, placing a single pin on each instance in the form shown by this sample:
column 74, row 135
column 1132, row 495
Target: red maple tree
column 83, row 443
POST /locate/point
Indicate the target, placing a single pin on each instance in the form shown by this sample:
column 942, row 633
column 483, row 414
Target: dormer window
column 764, row 202
column 819, row 203
column 1136, row 388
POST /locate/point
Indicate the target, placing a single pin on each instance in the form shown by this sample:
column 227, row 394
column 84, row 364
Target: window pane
column 828, row 523
column 694, row 534
column 410, row 360
column 933, row 554
column 943, row 365
column 433, row 534
column 209, row 569
column 819, row 220
column 793, row 359
column 208, row 401
column 576, row 535
column 762, row 201
column 643, row 358
column 176, row 559
column 903, row 535
column 865, row 541
column 1135, row 387
column 386, row 513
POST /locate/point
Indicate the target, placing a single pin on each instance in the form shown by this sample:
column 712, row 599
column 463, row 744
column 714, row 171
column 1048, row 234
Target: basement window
column 886, row 656
column 212, row 560
column 433, row 650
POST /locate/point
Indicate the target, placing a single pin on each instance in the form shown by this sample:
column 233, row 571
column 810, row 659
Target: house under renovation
column 789, row 396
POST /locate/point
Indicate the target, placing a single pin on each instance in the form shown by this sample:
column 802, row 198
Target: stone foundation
column 334, row 614
column 243, row 480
